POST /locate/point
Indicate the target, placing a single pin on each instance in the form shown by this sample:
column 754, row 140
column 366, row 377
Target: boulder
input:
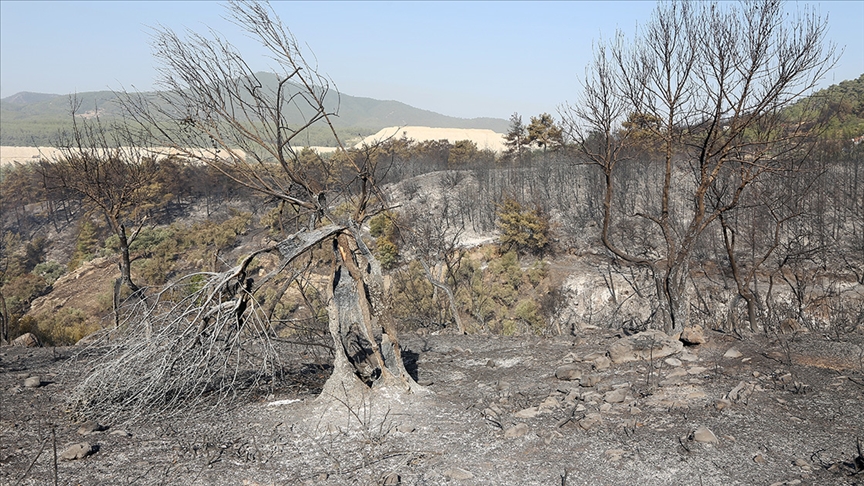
column 27, row 340
column 568, row 372
column 77, row 451
column 651, row 344
column 693, row 335
column 33, row 382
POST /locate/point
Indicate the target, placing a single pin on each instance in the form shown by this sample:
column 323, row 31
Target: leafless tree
column 214, row 109
column 713, row 79
column 111, row 171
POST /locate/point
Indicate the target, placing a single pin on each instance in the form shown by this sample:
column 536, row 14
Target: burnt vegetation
column 707, row 187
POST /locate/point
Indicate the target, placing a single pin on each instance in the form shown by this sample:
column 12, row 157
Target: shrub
column 525, row 230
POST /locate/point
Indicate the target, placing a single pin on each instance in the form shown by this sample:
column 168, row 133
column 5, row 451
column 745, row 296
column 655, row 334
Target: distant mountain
column 35, row 118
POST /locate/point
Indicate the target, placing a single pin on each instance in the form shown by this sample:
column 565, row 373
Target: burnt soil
column 796, row 421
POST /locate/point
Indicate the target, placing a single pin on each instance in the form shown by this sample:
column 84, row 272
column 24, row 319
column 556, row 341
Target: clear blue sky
column 460, row 59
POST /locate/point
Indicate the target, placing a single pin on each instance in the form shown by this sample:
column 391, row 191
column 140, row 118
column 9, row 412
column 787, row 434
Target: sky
column 464, row 59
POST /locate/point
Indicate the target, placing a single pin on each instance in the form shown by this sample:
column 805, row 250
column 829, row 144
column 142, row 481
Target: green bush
column 525, row 230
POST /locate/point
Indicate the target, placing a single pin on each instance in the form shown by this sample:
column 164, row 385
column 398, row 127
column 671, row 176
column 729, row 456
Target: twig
column 41, row 448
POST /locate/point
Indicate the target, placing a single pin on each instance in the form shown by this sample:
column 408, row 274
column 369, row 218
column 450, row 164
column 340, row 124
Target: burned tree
column 110, row 170
column 215, row 110
column 713, row 80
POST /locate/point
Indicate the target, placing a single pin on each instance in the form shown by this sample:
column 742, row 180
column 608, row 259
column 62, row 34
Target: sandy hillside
column 485, row 139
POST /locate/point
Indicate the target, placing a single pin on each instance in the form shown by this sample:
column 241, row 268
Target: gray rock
column 517, row 430
column 704, row 435
column 90, row 427
column 77, row 451
column 591, row 420
column 732, row 353
column 674, row 362
column 693, row 335
column 615, row 396
column 458, row 474
column 601, row 363
column 722, row 403
column 33, row 382
column 759, row 459
column 391, row 479
column 27, row 340
column 589, row 381
column 529, row 412
column 122, row 432
column 568, row 372
column 651, row 344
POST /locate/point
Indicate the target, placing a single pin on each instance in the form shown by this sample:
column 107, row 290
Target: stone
column 704, row 435
column 674, row 362
column 33, row 382
column 688, row 356
column 741, row 391
column 122, row 432
column 458, row 474
column 697, row 370
column 551, row 403
column 759, row 459
column 589, row 381
column 693, row 335
column 529, row 412
column 801, row 462
column 90, row 427
column 590, row 420
column 601, row 363
column 606, row 407
column 647, row 345
column 568, row 372
column 732, row 353
column 722, row 403
column 26, row 340
column 614, row 455
column 77, row 451
column 615, row 396
column 517, row 430
column 391, row 479
column 407, row 428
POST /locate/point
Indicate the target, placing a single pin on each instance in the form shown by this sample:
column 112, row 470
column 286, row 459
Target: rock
column 33, row 382
column 722, row 403
column 568, row 372
column 517, row 430
column 704, row 435
column 593, row 356
column 741, row 391
column 551, row 403
column 590, row 420
column 606, row 407
column 27, row 340
column 674, row 362
column 759, row 459
column 688, row 356
column 801, row 462
column 786, row 379
column 614, row 455
column 732, row 353
column 489, row 364
column 693, row 335
column 651, row 344
column 601, row 363
column 77, row 451
column 697, row 370
column 90, row 427
column 615, row 396
column 589, row 381
column 529, row 412
column 391, row 479
column 124, row 433
column 407, row 428
column 458, row 474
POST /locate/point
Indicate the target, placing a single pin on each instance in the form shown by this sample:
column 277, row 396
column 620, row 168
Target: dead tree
column 108, row 168
column 713, row 81
column 215, row 110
